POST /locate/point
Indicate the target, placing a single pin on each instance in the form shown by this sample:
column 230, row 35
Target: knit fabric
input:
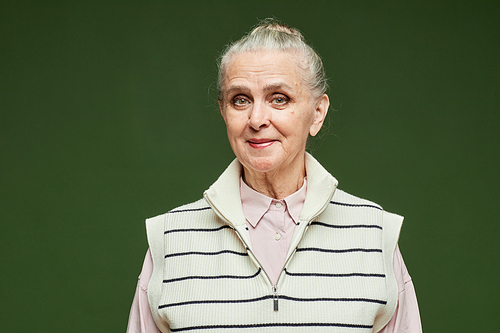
column 338, row 276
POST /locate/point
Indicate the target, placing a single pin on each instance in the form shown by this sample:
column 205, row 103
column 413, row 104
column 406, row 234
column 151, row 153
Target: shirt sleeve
column 140, row 318
column 406, row 318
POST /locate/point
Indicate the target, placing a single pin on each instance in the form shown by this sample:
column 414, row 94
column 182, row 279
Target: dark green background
column 108, row 116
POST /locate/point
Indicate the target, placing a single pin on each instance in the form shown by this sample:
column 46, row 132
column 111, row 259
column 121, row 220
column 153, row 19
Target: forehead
column 260, row 69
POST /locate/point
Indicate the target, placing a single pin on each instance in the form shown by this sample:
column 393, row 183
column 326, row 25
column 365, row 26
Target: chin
column 260, row 164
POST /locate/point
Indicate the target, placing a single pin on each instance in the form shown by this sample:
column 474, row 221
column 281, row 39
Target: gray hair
column 270, row 34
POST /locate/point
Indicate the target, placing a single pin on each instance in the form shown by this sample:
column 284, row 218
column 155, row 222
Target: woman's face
column 268, row 111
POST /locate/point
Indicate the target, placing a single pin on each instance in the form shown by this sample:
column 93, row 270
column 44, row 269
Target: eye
column 280, row 99
column 240, row 101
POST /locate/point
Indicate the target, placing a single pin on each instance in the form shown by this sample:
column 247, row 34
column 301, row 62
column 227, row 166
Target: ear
column 319, row 114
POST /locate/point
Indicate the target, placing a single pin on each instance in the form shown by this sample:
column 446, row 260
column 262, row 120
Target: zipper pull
column 275, row 298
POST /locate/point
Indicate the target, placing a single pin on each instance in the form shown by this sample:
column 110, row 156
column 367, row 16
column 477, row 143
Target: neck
column 276, row 184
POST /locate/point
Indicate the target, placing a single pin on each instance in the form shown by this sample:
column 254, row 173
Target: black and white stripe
column 214, row 277
column 271, row 325
column 267, row 297
column 349, row 226
column 345, row 204
column 198, row 229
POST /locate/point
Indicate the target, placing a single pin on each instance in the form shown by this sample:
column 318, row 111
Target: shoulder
column 346, row 203
column 198, row 205
column 178, row 218
column 342, row 198
column 190, row 215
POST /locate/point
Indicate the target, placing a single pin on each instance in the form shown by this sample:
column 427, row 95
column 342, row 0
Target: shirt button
column 277, row 236
column 278, row 205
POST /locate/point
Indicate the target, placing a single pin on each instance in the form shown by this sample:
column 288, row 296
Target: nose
column 260, row 116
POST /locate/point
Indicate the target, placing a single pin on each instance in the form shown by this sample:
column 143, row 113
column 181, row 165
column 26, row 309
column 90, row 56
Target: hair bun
column 275, row 25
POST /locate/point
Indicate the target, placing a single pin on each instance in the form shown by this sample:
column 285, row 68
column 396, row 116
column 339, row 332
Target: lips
column 260, row 143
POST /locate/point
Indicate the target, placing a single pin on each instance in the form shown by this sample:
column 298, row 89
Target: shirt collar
column 295, row 202
column 256, row 204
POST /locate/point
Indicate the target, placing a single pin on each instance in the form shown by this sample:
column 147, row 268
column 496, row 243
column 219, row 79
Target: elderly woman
column 274, row 245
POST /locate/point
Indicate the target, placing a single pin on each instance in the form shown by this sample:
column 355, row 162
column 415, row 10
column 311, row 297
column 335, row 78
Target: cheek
column 307, row 119
column 296, row 124
column 234, row 126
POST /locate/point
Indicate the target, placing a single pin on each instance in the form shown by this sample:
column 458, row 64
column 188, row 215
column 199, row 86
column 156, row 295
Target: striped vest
column 338, row 276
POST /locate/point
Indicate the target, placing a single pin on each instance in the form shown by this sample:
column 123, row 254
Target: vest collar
column 224, row 194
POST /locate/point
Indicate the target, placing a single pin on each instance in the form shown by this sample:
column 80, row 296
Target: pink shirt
column 271, row 224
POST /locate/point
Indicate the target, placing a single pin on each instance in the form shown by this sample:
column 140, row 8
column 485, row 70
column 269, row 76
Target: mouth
column 260, row 143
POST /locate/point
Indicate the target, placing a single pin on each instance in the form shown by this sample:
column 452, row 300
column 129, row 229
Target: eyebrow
column 277, row 86
column 236, row 88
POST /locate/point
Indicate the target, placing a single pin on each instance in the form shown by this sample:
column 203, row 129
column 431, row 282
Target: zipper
column 275, row 298
column 274, row 288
